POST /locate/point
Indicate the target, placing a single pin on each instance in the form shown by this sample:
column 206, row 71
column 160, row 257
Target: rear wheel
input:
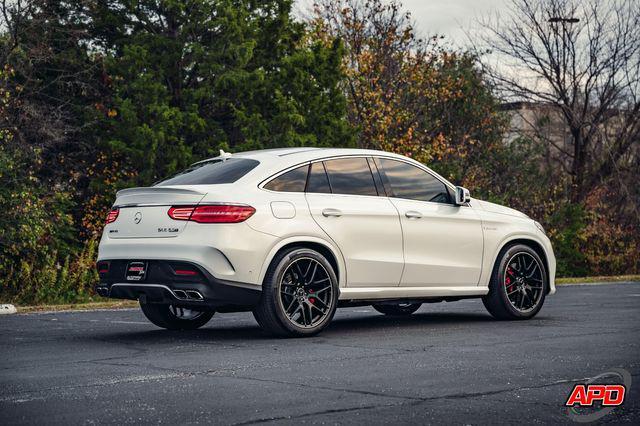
column 174, row 317
column 299, row 294
column 398, row 309
column 518, row 284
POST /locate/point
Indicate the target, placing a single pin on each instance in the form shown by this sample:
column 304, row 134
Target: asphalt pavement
column 448, row 363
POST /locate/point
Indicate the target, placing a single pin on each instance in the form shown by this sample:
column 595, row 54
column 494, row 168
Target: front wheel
column 518, row 284
column 299, row 294
column 399, row 309
column 174, row 317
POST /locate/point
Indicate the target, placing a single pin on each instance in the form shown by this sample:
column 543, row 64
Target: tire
column 169, row 317
column 304, row 281
column 516, row 283
column 399, row 309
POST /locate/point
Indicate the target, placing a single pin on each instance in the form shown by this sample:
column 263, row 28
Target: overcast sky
column 449, row 17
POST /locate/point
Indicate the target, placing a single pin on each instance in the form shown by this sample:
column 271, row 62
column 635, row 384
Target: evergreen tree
column 191, row 77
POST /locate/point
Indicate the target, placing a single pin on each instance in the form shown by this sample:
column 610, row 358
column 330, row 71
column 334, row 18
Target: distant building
column 543, row 124
column 536, row 120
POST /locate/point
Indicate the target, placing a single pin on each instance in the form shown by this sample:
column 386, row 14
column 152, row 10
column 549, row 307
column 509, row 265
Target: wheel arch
column 534, row 245
column 333, row 255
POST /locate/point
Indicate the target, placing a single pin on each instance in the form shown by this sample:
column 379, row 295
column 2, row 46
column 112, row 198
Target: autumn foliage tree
column 408, row 94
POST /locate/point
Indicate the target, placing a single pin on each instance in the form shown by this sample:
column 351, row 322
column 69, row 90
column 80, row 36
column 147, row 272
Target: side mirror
column 462, row 196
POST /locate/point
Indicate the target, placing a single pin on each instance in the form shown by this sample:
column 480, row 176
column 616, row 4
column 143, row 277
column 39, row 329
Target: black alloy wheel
column 299, row 295
column 518, row 284
column 523, row 282
column 306, row 292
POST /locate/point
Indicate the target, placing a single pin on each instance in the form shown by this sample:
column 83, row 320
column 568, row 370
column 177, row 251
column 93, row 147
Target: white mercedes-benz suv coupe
column 292, row 234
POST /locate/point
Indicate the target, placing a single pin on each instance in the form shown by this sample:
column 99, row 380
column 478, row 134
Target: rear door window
column 318, row 181
column 212, row 172
column 350, row 176
column 291, row 181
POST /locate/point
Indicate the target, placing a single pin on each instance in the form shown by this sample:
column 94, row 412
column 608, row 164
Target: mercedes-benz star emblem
column 137, row 218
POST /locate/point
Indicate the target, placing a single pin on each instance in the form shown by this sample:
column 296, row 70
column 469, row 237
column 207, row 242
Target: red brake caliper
column 507, row 280
column 311, row 299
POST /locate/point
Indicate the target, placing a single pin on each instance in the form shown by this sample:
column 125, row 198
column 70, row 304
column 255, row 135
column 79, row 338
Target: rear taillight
column 218, row 213
column 181, row 213
column 222, row 214
column 112, row 216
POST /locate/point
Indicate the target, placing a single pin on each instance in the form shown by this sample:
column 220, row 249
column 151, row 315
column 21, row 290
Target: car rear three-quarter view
column 292, row 234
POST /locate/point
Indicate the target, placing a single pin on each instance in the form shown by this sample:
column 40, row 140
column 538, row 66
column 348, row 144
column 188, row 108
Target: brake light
column 222, row 214
column 217, row 213
column 112, row 216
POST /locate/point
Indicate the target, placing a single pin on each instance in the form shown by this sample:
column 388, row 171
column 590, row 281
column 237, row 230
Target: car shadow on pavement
column 377, row 322
column 368, row 323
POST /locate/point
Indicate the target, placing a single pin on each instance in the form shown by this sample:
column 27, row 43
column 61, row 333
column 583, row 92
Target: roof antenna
column 224, row 155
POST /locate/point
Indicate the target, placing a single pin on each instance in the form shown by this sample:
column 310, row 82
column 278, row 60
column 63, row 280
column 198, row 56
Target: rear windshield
column 212, row 172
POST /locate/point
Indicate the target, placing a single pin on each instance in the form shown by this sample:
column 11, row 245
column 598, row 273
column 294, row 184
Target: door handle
column 331, row 212
column 412, row 214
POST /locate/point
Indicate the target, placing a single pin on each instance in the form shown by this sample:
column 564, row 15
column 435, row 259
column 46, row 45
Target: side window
column 413, row 183
column 350, row 176
column 292, row 181
column 318, row 181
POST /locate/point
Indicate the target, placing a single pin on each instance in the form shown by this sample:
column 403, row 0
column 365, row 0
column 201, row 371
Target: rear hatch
column 144, row 212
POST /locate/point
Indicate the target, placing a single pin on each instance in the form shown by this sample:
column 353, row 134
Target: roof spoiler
column 157, row 190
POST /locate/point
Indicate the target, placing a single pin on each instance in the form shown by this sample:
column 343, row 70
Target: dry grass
column 596, row 280
column 116, row 304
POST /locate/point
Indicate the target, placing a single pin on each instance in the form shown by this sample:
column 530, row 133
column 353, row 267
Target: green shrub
column 47, row 281
column 41, row 259
column 567, row 232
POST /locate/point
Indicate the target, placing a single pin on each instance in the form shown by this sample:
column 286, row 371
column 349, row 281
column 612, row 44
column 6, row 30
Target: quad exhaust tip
column 192, row 295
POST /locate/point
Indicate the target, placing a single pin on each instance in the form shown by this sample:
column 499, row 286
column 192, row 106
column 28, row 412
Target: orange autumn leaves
column 405, row 94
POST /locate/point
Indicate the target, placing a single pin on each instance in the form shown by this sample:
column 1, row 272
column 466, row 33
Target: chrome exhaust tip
column 180, row 294
column 193, row 294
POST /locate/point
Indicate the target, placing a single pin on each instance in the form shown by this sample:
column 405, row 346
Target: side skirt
column 357, row 294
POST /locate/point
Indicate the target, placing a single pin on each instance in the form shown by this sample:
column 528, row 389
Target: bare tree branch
column 587, row 69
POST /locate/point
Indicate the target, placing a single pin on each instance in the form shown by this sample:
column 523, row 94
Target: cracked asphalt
column 448, row 363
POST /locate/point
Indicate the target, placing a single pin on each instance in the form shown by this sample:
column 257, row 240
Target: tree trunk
column 578, row 167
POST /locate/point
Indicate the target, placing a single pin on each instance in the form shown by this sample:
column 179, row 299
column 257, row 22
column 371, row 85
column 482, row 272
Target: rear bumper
column 162, row 285
column 230, row 252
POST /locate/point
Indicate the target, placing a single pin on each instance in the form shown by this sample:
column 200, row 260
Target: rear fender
column 337, row 254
